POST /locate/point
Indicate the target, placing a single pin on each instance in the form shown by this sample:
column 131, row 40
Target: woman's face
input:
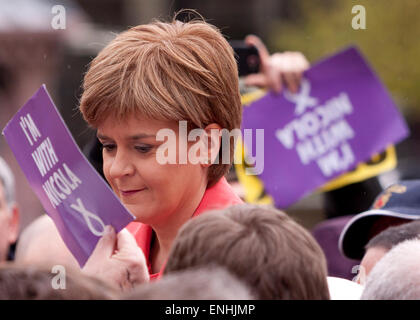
column 149, row 190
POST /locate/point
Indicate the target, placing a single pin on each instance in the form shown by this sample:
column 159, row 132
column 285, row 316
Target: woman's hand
column 118, row 260
column 277, row 70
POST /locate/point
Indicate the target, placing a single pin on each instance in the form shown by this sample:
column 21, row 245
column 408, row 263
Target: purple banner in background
column 341, row 116
column 73, row 194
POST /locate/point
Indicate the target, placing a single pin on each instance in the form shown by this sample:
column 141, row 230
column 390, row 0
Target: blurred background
column 32, row 52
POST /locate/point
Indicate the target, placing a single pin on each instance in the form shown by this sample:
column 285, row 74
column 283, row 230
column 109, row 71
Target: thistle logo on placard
column 301, row 99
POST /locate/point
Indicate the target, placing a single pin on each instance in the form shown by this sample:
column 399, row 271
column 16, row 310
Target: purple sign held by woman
column 341, row 116
column 73, row 194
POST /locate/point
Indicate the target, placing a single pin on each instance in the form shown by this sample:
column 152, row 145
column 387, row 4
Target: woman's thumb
column 106, row 245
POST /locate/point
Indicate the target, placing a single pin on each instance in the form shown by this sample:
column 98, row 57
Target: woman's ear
column 212, row 144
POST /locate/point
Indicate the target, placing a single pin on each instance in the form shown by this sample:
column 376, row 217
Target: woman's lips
column 128, row 193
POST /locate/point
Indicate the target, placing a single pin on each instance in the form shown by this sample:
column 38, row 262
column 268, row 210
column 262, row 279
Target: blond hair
column 166, row 71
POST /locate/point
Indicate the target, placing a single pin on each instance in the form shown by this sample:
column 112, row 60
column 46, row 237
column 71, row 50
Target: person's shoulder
column 219, row 196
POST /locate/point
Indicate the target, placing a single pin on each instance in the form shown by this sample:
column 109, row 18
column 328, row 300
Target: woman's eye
column 108, row 147
column 143, row 149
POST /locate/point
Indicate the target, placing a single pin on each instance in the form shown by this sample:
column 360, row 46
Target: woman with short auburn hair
column 156, row 77
column 174, row 77
column 166, row 71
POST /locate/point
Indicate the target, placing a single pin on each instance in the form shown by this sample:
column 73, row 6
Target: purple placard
column 73, row 194
column 341, row 116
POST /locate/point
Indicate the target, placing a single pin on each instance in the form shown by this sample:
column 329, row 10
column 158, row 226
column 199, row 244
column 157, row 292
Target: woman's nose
column 121, row 165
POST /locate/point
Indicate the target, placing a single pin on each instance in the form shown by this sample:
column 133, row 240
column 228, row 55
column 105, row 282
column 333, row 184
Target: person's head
column 262, row 246
column 19, row 282
column 379, row 245
column 9, row 211
column 40, row 244
column 207, row 283
column 150, row 78
column 397, row 204
column 397, row 275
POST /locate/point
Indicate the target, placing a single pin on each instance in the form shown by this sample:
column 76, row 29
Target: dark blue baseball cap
column 399, row 203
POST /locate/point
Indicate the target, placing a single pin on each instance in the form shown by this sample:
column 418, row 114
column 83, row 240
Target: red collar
column 219, row 196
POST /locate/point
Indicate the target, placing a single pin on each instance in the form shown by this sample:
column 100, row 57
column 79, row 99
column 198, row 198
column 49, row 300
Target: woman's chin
column 148, row 213
column 141, row 215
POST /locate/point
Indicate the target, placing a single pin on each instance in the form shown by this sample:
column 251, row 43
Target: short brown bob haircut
column 275, row 256
column 166, row 71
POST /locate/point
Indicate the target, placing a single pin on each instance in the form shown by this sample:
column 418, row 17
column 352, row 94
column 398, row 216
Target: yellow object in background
column 378, row 164
column 254, row 191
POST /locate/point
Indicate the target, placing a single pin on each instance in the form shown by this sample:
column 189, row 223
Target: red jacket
column 219, row 196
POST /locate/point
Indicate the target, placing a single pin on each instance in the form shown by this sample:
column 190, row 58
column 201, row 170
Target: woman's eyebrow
column 141, row 136
column 102, row 137
column 135, row 137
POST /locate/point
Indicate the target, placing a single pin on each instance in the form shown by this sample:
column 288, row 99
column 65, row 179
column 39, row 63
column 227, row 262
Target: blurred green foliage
column 391, row 40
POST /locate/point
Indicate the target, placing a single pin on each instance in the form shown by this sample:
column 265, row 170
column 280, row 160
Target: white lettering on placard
column 29, row 129
column 45, row 157
column 321, row 133
column 60, row 184
column 311, row 122
column 337, row 160
column 328, row 139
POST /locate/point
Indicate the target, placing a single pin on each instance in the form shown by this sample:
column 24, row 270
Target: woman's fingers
column 289, row 68
column 133, row 259
column 122, row 268
column 126, row 241
column 102, row 254
column 106, row 245
column 253, row 40
column 291, row 81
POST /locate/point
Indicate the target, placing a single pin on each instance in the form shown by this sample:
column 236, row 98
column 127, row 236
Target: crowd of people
column 193, row 236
